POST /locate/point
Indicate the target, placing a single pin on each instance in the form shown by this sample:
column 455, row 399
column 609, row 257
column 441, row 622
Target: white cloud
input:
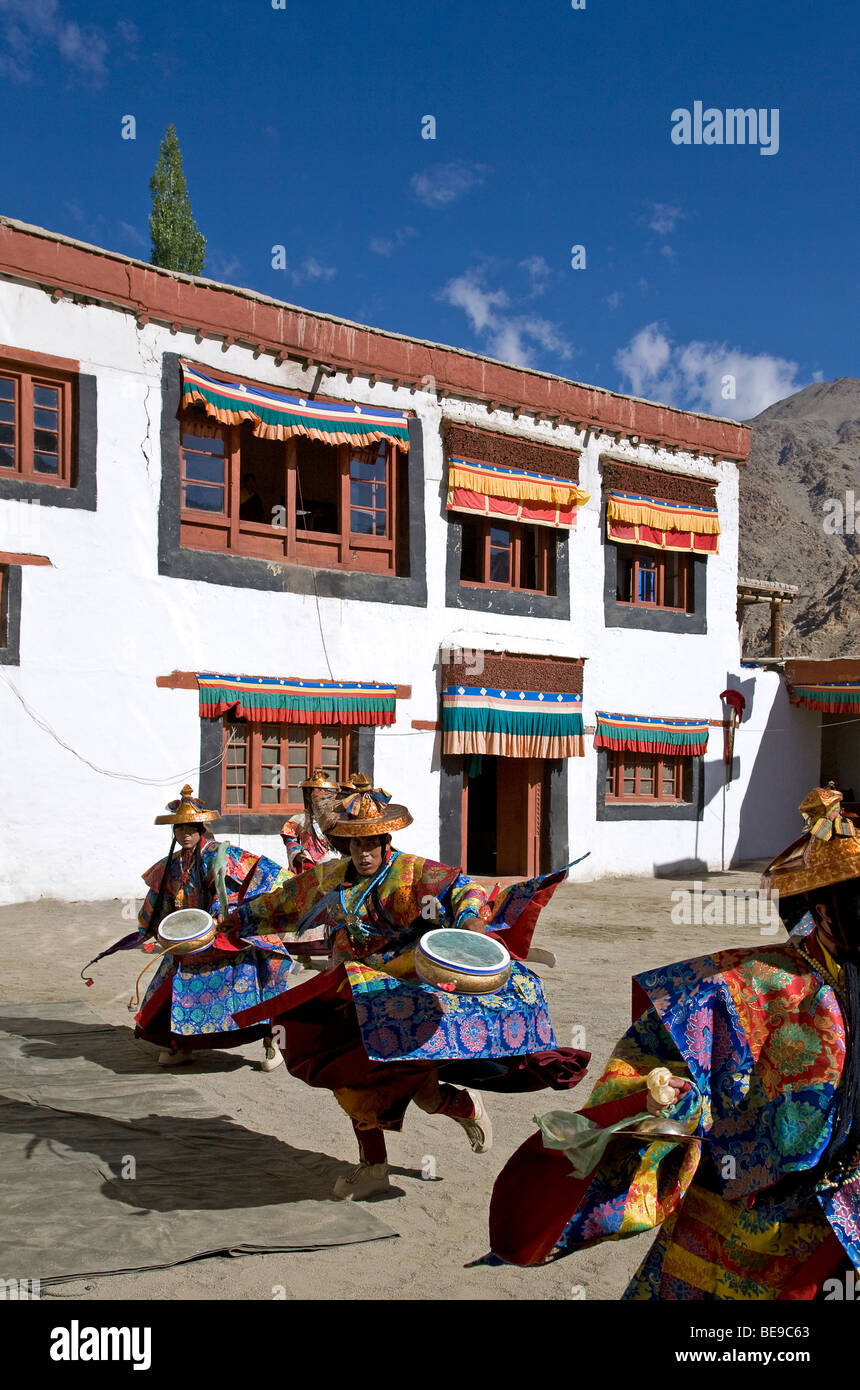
column 664, row 218
column 311, row 269
column 386, row 246
column 28, row 23
column 443, row 184
column 220, row 266
column 133, row 236
column 614, row 299
column 538, row 271
column 692, row 376
column 510, row 337
column 668, row 252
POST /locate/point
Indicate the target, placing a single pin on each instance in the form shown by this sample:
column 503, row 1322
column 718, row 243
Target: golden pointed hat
column 368, row 810
column 320, row 781
column 828, row 852
column 186, row 811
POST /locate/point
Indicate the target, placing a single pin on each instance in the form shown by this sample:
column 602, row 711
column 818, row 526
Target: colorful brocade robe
column 193, row 998
column 306, row 845
column 761, row 1037
column 402, row 1018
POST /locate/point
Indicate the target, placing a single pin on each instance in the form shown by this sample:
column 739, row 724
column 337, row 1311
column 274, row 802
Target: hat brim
column 188, row 817
column 357, row 828
column 808, row 864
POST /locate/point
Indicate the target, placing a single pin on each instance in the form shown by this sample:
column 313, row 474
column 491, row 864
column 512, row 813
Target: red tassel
column 89, row 982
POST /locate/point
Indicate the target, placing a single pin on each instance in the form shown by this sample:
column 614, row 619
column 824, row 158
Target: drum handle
column 134, row 1003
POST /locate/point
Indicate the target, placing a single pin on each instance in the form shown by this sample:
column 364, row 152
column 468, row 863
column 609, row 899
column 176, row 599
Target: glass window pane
column 668, row 779
column 630, row 777
column 46, row 441
column 500, row 536
column 42, row 419
column 46, row 395
column 380, row 523
column 646, row 776
column 204, row 468
column 204, row 499
column 500, row 566
column 7, row 434
column 7, row 457
column 361, row 523
column 7, row 388
column 647, row 592
column 46, row 463
column 7, row 410
column 202, row 444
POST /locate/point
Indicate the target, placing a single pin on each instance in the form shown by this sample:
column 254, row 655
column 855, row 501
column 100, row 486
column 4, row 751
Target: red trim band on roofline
column 40, row 257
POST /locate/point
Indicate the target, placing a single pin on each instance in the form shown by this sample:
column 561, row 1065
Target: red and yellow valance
column 512, row 494
column 275, row 415
column 272, row 699
column 647, row 521
column 640, row 733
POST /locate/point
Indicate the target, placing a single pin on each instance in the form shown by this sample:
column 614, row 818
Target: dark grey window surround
column 245, row 572
column 10, row 640
column 631, row 615
column 517, row 603
column 555, row 844
column 256, row 823
column 82, row 494
column 638, row 810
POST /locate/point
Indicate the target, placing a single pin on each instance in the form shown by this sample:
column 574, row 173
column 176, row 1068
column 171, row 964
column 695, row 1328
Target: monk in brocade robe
column 764, row 1054
column 190, row 1001
column 368, row 1029
column 304, row 836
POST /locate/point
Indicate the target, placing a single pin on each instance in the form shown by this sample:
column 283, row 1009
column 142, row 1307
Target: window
column 504, row 555
column 265, row 764
column 302, row 501
column 35, row 424
column 654, row 578
column 644, row 777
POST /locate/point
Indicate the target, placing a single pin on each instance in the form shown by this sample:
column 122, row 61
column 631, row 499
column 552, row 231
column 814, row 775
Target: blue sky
column 301, row 126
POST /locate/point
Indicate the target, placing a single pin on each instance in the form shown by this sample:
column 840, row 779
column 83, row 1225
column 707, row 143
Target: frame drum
column 468, row 960
column 190, row 929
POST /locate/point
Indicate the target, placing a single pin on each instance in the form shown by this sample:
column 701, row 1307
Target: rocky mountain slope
column 797, row 525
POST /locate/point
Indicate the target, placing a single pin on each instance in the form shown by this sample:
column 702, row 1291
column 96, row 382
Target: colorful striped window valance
column 635, row 520
column 278, row 416
column 512, row 494
column 831, row 697
column 271, row 699
column 480, row 720
column 637, row 733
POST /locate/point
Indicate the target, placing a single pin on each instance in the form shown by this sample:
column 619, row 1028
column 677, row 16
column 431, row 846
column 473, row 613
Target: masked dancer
column 754, row 1056
column 368, row 1029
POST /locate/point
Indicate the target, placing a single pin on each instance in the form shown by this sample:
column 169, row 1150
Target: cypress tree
column 177, row 244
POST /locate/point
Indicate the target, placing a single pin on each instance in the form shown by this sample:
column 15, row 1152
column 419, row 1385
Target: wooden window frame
column 618, row 759
column 660, row 557
column 516, row 528
column 315, row 733
column 29, row 370
column 345, row 549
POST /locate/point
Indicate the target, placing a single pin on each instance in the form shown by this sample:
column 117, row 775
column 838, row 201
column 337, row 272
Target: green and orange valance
column 275, row 415
column 647, row 521
column 640, row 733
column 512, row 494
column 479, row 720
column 271, row 699
column 831, row 697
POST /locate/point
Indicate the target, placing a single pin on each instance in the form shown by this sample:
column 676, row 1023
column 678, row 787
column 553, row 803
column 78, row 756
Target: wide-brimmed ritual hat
column 368, row 810
column 186, row 811
column 320, row 781
column 827, row 853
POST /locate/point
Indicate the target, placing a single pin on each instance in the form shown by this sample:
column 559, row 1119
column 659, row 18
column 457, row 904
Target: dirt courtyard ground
column 602, row 933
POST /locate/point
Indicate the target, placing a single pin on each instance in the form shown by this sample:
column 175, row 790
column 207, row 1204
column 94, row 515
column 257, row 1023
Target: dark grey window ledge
column 10, row 639
column 515, row 603
column 631, row 615
column 691, row 810
column 82, row 494
column 247, row 572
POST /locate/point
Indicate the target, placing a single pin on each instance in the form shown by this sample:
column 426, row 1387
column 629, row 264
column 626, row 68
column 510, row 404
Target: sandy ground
column 602, row 933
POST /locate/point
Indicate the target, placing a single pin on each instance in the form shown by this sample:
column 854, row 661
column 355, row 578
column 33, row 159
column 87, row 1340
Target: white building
column 137, row 566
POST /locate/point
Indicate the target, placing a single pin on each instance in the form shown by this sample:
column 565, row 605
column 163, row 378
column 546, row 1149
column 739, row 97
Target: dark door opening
column 482, row 821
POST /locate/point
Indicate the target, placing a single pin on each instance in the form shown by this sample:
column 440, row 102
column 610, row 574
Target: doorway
column 502, row 817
